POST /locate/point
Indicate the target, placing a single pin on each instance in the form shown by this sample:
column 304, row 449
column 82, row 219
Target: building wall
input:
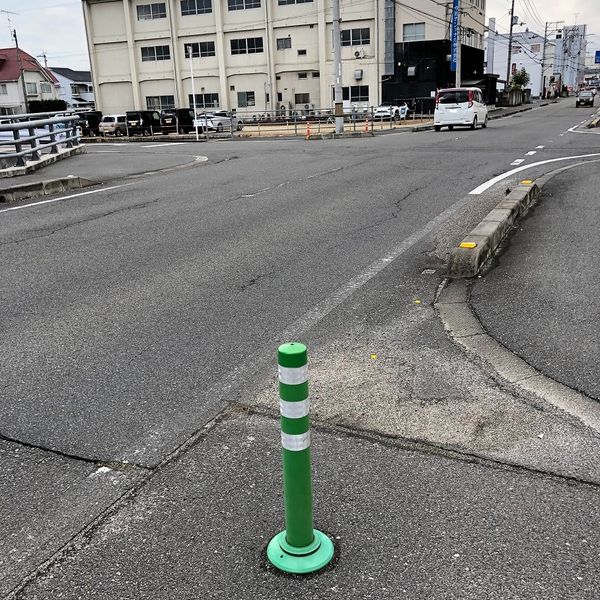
column 275, row 76
column 12, row 101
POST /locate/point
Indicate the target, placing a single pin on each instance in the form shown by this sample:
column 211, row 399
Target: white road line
column 164, row 144
column 531, row 153
column 539, row 147
column 575, row 130
column 518, row 161
column 490, row 182
column 114, row 187
column 104, row 152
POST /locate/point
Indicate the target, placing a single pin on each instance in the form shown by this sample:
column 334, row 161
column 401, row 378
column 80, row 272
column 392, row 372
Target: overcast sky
column 56, row 26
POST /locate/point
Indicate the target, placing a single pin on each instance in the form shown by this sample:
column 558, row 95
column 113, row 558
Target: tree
column 520, row 79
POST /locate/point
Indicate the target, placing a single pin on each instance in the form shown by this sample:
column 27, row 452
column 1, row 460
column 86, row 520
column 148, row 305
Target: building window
column 536, row 48
column 151, row 53
column 316, row 74
column 45, row 88
column 195, row 7
column 246, row 99
column 516, row 49
column 247, row 46
column 284, row 43
column 200, row 49
column 31, row 88
column 204, row 101
column 3, row 89
column 302, row 75
column 160, row 102
column 242, row 4
column 355, row 93
column 302, row 98
column 301, row 52
column 146, row 12
column 282, row 2
column 356, row 37
column 279, row 97
column 412, row 32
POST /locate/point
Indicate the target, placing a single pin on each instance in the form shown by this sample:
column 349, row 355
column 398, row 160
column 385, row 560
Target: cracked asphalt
column 135, row 316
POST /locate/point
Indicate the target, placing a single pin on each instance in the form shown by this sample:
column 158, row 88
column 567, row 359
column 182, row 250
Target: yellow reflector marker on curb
column 526, row 181
column 467, row 245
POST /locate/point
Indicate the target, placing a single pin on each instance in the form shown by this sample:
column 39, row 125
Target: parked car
column 204, row 122
column 390, row 111
column 89, row 122
column 459, row 106
column 585, row 98
column 177, row 120
column 143, row 122
column 223, row 120
column 113, row 125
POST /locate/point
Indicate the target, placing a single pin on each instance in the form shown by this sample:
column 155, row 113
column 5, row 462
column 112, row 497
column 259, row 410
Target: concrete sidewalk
column 407, row 522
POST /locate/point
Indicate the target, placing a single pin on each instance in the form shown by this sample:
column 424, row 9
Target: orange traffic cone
column 366, row 130
column 308, row 130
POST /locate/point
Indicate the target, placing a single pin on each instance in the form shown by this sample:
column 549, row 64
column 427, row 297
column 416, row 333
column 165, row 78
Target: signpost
column 597, row 61
column 455, row 41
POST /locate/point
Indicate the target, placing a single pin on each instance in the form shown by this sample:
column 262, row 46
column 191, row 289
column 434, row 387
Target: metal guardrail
column 32, row 137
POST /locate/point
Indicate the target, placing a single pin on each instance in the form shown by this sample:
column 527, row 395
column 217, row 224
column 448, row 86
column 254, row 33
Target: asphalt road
column 542, row 298
column 127, row 312
column 134, row 314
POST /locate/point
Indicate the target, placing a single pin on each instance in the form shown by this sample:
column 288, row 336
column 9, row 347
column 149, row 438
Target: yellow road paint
column 526, row 181
column 467, row 245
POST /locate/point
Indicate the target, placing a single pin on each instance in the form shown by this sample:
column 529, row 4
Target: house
column 75, row 87
column 261, row 55
column 23, row 79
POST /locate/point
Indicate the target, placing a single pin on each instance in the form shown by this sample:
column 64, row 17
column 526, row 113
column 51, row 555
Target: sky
column 56, row 26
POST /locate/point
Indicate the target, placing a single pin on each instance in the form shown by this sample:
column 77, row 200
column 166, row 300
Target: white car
column 459, row 107
column 388, row 111
column 220, row 120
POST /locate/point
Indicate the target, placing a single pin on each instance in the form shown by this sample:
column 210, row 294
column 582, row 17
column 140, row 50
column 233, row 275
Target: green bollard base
column 300, row 561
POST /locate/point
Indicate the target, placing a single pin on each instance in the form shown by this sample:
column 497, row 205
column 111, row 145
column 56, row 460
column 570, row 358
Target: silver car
column 222, row 120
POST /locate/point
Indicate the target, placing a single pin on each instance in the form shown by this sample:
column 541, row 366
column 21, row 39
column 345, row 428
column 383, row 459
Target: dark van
column 89, row 122
column 143, row 122
column 177, row 120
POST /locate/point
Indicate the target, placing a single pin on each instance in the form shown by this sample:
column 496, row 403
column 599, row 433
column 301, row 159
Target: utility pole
column 337, row 66
column 510, row 39
column 194, row 94
column 547, row 30
column 21, row 70
column 43, row 55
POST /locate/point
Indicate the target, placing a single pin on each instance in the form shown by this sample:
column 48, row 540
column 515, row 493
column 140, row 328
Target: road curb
column 464, row 327
column 42, row 188
column 479, row 246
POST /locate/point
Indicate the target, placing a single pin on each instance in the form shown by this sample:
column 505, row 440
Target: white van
column 113, row 124
column 459, row 106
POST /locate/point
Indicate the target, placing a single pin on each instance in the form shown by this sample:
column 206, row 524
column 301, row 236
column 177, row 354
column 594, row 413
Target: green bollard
column 300, row 548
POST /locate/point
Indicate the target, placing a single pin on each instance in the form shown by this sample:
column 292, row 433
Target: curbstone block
column 479, row 246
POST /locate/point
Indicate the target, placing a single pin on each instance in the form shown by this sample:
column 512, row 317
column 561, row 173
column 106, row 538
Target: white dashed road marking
column 539, row 147
column 518, row 161
column 164, row 144
column 531, row 153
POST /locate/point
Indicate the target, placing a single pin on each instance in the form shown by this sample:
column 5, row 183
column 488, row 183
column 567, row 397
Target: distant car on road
column 585, row 98
column 113, row 125
column 89, row 122
column 459, row 106
column 390, row 111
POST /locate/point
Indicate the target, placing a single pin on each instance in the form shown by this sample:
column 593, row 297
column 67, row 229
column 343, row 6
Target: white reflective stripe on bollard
column 295, row 443
column 293, row 376
column 294, row 410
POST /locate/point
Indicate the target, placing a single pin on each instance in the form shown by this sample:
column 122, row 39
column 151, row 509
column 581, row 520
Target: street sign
column 454, row 36
column 597, row 61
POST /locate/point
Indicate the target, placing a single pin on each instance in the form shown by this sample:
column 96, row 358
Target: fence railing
column 27, row 136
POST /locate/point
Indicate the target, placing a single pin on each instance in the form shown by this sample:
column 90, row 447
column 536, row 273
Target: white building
column 267, row 54
column 527, row 53
column 75, row 87
column 571, row 47
column 23, row 80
